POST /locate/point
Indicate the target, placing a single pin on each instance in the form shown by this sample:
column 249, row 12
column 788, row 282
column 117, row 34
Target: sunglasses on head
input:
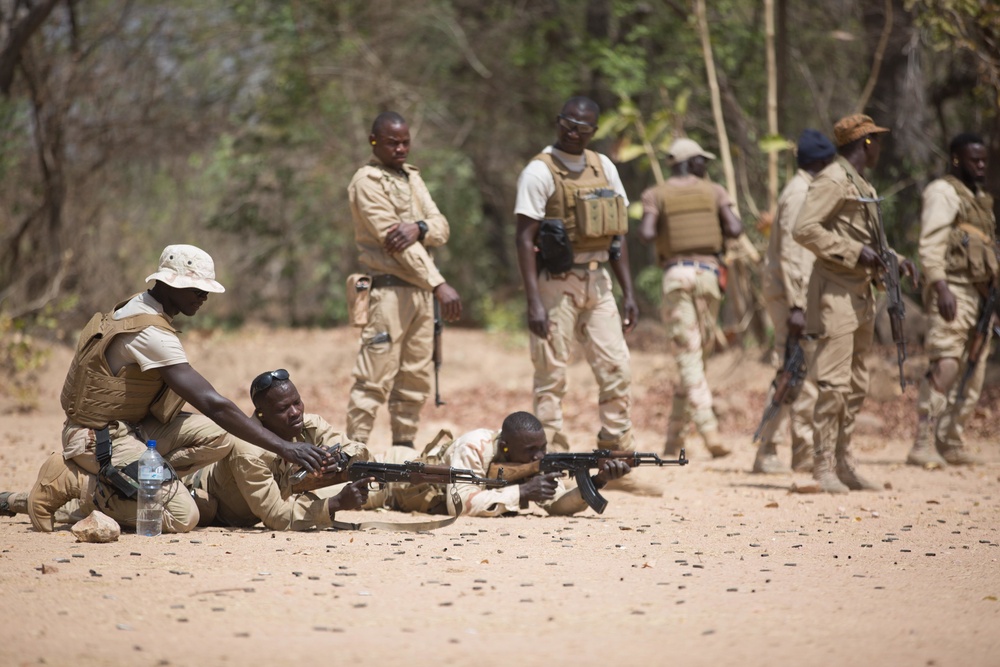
column 264, row 381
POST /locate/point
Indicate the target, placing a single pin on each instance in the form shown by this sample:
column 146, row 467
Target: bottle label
column 152, row 474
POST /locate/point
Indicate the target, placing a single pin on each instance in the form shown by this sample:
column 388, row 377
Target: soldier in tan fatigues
column 127, row 384
column 521, row 439
column 251, row 485
column 840, row 306
column 578, row 302
column 687, row 217
column 395, row 222
column 959, row 256
column 787, row 267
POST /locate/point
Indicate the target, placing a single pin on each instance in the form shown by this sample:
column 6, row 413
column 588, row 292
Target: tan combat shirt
column 381, row 198
column 251, row 484
column 788, row 264
column 475, row 451
column 835, row 226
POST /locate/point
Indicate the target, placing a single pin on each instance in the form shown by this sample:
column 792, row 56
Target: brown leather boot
column 58, row 481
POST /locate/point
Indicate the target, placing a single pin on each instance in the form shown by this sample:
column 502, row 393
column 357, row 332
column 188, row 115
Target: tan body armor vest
column 590, row 211
column 92, row 396
column 689, row 220
column 971, row 249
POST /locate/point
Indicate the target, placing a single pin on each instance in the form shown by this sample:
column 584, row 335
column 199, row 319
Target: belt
column 389, row 280
column 592, row 265
column 690, row 262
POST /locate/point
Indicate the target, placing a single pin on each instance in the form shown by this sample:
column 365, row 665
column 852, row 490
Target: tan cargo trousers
column 581, row 306
column 187, row 443
column 394, row 363
column 838, row 368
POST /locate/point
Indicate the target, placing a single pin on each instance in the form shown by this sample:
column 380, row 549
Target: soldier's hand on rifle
column 351, row 497
column 796, row 322
column 451, row 302
column 870, row 259
column 540, row 487
column 538, row 319
column 400, row 237
column 310, row 457
column 947, row 305
column 611, row 469
column 910, row 269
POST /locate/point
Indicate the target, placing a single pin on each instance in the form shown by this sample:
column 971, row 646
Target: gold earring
column 260, row 414
column 505, row 449
column 868, row 142
column 373, row 143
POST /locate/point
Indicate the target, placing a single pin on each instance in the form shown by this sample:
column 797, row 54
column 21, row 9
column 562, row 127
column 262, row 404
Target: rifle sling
column 392, row 526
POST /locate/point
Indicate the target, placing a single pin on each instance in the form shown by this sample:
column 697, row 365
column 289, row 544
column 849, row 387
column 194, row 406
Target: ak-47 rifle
column 980, row 337
column 436, row 357
column 412, row 472
column 890, row 280
column 579, row 465
column 789, row 378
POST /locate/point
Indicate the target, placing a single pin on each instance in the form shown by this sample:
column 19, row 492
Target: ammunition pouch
column 555, row 252
column 358, row 295
column 599, row 213
column 971, row 252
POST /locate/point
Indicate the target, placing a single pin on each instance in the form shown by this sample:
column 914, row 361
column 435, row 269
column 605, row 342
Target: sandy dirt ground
column 726, row 568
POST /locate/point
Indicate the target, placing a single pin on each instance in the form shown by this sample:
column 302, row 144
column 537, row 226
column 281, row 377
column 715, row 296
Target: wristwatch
column 423, row 229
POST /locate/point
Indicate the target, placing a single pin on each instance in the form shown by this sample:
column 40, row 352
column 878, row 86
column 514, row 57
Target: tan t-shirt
column 150, row 348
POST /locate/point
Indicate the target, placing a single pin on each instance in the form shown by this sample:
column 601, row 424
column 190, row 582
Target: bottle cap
column 151, row 443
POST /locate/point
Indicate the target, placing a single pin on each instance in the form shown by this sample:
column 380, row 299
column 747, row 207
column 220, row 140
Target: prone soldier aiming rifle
column 579, row 465
column 890, row 280
column 785, row 383
column 412, row 472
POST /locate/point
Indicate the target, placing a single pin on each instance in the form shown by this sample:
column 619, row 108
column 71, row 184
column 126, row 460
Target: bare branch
column 20, row 33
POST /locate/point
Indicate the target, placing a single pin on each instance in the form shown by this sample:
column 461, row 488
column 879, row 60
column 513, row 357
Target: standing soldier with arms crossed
column 688, row 216
column 840, row 228
column 958, row 253
column 395, row 222
column 571, row 203
column 788, row 267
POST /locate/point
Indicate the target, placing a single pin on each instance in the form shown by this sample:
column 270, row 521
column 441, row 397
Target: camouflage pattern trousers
column 948, row 340
column 690, row 310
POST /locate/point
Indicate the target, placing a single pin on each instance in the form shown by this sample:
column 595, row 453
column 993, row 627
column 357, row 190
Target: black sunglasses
column 264, row 381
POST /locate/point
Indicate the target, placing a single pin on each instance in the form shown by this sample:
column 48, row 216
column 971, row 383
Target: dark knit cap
column 814, row 146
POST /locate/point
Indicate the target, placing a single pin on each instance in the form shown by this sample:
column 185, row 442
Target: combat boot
column 13, row 503
column 848, row 474
column 802, row 457
column 713, row 441
column 631, row 484
column 924, row 453
column 824, row 474
column 767, row 462
column 958, row 455
column 59, row 481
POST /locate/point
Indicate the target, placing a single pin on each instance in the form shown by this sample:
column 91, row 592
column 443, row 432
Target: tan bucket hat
column 185, row 266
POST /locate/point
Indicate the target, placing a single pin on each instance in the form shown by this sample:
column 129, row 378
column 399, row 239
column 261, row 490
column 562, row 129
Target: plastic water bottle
column 152, row 472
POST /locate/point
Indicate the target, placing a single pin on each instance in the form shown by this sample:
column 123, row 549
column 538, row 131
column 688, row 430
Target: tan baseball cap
column 853, row 127
column 683, row 149
column 185, row 266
